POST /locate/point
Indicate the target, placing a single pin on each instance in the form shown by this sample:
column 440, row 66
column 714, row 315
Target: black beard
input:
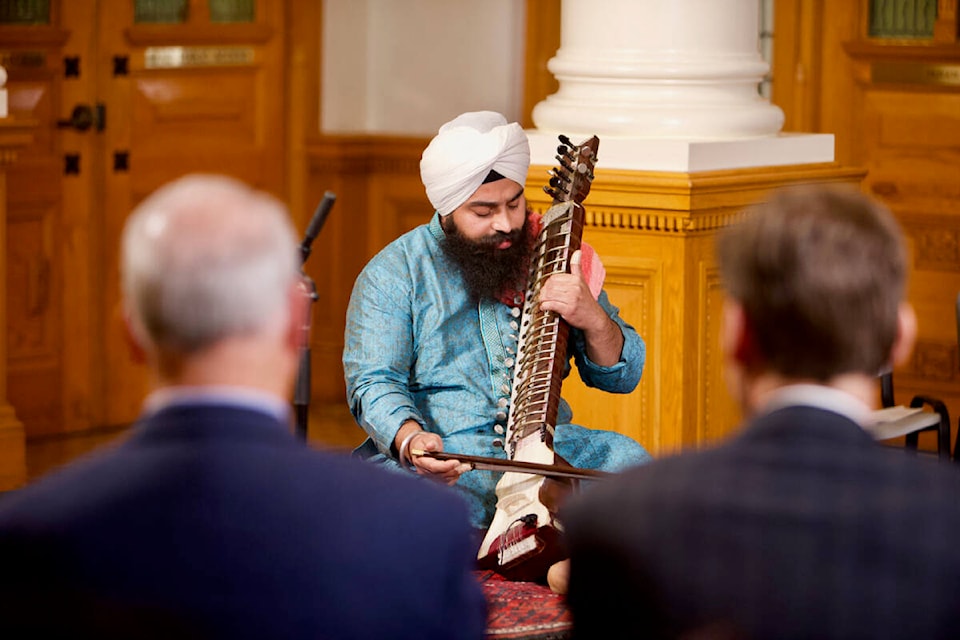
column 489, row 271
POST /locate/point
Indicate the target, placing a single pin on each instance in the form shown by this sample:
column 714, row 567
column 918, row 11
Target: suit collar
column 819, row 396
column 208, row 422
column 799, row 422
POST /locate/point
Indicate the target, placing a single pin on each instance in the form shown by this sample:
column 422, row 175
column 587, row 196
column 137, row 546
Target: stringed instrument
column 523, row 539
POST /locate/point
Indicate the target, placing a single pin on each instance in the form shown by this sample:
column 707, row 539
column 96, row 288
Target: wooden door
column 172, row 87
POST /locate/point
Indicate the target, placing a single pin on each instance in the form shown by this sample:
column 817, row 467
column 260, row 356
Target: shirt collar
column 436, row 229
column 821, row 397
column 218, row 395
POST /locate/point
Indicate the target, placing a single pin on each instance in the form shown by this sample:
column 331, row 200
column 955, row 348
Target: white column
column 667, row 85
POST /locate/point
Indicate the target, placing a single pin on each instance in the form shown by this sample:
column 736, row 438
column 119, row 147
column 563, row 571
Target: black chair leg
column 943, row 429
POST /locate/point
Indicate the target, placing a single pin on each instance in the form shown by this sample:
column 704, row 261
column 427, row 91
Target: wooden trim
column 302, row 111
column 366, row 154
column 179, row 34
column 797, row 72
column 542, row 42
column 902, row 50
column 33, row 35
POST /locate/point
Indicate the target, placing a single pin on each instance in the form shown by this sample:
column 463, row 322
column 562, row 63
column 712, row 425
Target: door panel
column 204, row 94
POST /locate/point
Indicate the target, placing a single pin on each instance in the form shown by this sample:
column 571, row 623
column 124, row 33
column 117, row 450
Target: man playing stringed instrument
column 432, row 326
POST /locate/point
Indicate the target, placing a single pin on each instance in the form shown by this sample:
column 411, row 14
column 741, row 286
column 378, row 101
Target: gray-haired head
column 206, row 258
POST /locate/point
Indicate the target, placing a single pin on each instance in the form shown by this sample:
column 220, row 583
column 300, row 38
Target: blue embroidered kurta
column 418, row 347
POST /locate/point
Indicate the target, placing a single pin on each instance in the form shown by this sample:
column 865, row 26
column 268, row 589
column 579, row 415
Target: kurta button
column 508, row 362
column 501, row 415
column 509, row 350
column 498, row 443
column 515, row 312
column 505, row 388
column 514, row 325
column 502, row 402
column 499, row 429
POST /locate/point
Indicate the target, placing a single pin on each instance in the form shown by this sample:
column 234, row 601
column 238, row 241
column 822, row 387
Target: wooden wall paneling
column 637, row 276
column 908, row 137
column 15, row 135
column 40, row 239
column 904, row 134
column 379, row 197
column 333, row 267
column 719, row 412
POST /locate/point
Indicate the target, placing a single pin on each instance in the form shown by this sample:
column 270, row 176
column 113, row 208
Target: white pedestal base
column 657, row 154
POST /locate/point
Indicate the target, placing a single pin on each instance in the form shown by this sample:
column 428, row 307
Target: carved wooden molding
column 667, row 222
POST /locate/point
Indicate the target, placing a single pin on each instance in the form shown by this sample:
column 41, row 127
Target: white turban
column 464, row 151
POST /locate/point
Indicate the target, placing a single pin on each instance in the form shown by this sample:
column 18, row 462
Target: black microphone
column 316, row 223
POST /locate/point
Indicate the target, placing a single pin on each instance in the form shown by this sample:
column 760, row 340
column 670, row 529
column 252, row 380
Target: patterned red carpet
column 523, row 610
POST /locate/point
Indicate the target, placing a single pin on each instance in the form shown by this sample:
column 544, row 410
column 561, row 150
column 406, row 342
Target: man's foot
column 558, row 576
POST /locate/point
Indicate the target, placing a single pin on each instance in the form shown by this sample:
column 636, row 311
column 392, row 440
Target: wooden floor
column 329, row 427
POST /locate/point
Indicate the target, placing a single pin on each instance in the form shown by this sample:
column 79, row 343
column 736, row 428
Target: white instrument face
column 542, row 355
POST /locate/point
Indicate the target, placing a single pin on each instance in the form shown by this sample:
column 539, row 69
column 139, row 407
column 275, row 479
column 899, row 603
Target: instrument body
column 523, row 539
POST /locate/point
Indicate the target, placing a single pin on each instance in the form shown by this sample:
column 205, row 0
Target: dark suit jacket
column 800, row 527
column 217, row 522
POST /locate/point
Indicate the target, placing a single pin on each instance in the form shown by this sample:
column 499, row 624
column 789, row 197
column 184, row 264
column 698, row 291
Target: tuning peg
column 565, row 140
column 552, row 193
column 563, row 150
column 559, row 176
column 565, row 163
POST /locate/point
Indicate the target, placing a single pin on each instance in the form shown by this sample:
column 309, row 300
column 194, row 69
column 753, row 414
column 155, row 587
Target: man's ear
column 132, row 336
column 906, row 334
column 737, row 339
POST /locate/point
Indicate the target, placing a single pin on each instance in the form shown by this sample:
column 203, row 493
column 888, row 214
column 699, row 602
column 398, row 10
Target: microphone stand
column 301, row 394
